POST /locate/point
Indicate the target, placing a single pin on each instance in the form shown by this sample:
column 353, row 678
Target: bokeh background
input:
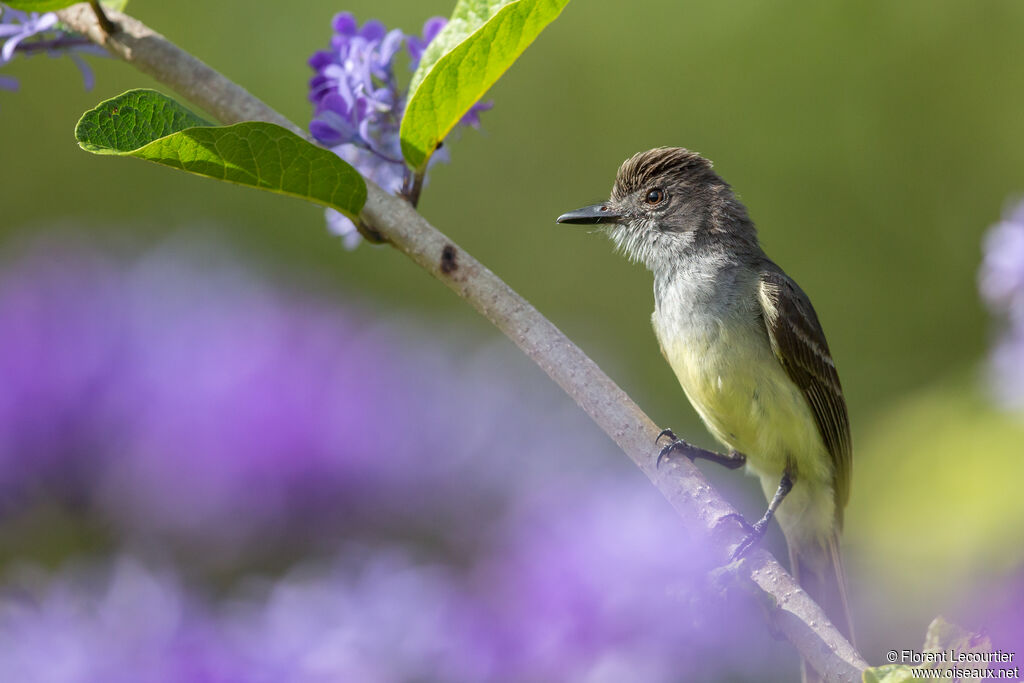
column 214, row 413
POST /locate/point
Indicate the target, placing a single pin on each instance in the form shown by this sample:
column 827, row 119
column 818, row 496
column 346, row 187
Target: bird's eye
column 655, row 196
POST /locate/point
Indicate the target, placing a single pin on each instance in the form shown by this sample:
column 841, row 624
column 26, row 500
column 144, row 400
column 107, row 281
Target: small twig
column 30, row 46
column 412, row 193
column 702, row 511
column 381, row 155
column 153, row 54
column 105, row 23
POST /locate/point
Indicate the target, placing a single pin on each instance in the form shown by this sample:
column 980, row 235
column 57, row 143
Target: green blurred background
column 874, row 143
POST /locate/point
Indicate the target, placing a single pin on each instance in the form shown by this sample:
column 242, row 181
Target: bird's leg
column 732, row 460
column 756, row 532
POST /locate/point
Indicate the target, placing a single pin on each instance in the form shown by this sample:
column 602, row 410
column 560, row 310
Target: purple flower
column 16, row 26
column 355, row 97
column 358, row 104
column 29, row 33
column 472, row 117
column 1001, row 280
column 418, row 44
column 340, row 225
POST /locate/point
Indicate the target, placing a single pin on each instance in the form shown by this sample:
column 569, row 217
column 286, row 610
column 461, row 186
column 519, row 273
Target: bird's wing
column 799, row 343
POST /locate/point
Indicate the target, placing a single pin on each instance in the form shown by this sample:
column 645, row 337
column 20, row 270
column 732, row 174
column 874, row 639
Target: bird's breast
column 726, row 367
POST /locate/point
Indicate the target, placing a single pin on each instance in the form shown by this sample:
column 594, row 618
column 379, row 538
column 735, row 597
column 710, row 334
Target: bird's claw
column 739, row 518
column 755, row 532
column 674, row 443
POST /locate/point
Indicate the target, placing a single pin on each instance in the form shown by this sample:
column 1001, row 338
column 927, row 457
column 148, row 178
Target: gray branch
column 703, row 511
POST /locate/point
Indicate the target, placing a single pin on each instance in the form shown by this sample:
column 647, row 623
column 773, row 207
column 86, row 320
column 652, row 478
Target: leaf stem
column 412, row 193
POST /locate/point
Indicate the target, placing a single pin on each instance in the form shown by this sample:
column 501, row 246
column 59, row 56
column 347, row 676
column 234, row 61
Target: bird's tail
column 819, row 570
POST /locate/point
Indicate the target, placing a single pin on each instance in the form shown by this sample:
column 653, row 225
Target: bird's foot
column 731, row 460
column 755, row 532
column 674, row 444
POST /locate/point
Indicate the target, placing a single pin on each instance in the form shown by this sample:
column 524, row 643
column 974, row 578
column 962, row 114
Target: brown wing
column 799, row 343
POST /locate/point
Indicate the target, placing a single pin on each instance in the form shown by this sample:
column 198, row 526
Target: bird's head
column 663, row 201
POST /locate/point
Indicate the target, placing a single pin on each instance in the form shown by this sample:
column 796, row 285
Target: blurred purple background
column 262, row 486
column 207, row 475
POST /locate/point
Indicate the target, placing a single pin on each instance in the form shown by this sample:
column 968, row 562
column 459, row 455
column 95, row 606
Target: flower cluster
column 356, row 100
column 358, row 103
column 31, row 33
column 1002, row 287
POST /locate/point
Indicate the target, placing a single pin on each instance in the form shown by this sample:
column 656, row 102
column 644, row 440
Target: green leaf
column 890, row 673
column 131, row 120
column 39, row 5
column 944, row 636
column 152, row 126
column 53, row 5
column 467, row 17
column 480, row 42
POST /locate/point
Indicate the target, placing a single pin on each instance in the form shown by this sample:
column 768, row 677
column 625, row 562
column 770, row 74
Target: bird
column 748, row 350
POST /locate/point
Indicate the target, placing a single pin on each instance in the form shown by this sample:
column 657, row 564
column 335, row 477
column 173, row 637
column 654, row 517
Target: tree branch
column 152, row 54
column 703, row 512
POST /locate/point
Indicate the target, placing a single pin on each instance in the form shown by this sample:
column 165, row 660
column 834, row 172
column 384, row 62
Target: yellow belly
column 749, row 403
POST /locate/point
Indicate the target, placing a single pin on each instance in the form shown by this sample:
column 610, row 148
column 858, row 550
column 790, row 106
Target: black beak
column 590, row 215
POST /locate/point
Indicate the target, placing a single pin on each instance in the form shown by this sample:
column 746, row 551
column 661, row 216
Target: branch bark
column 702, row 510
